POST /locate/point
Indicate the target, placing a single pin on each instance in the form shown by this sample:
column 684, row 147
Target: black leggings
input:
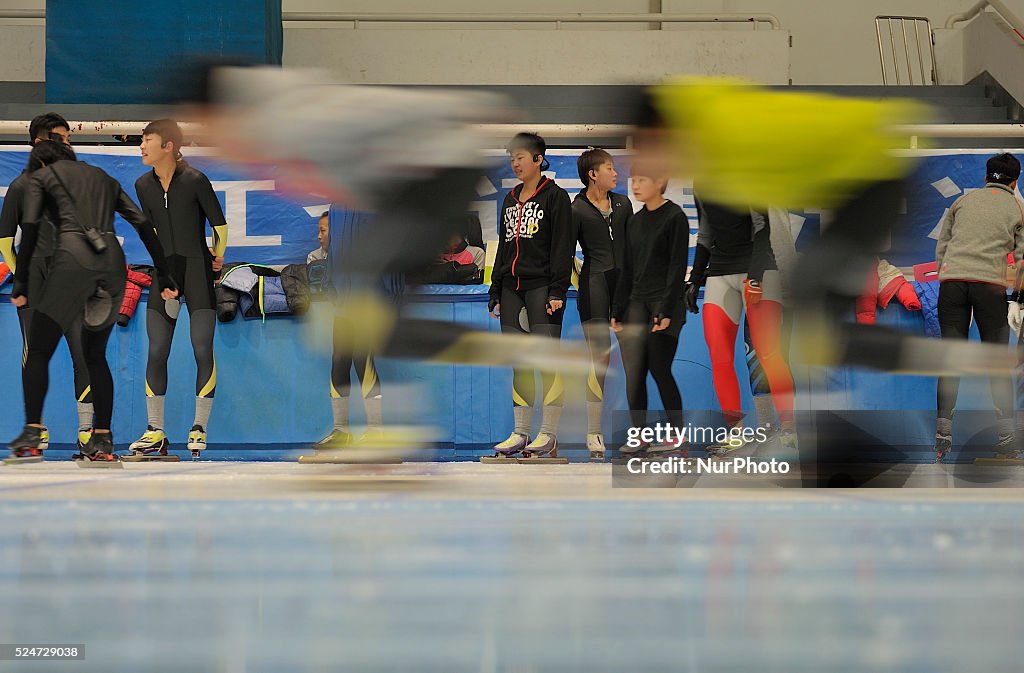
column 341, row 370
column 958, row 300
column 541, row 324
column 83, row 391
column 645, row 352
column 160, row 330
column 594, row 302
column 44, row 335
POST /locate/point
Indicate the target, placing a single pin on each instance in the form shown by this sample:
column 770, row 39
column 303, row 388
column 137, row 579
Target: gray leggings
column 160, row 329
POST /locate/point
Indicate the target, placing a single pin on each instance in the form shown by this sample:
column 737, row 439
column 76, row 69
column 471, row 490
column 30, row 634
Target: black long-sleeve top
column 75, row 195
column 654, row 268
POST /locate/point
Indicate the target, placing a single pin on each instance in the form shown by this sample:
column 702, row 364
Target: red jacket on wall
column 132, row 293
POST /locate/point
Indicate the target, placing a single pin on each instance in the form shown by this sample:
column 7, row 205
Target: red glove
column 752, row 292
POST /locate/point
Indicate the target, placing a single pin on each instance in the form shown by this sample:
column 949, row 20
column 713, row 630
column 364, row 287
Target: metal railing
column 1001, row 10
column 556, row 19
column 925, row 76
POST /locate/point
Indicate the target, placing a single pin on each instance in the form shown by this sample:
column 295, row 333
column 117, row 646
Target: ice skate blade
column 498, row 460
column 999, row 461
column 354, row 457
column 23, row 461
column 543, row 461
column 141, row 458
column 100, row 464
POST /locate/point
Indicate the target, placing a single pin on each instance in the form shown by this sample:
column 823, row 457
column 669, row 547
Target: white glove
column 1014, row 316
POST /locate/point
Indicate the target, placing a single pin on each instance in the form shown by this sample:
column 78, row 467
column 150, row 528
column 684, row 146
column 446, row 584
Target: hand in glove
column 168, row 288
column 1014, row 316
column 692, row 291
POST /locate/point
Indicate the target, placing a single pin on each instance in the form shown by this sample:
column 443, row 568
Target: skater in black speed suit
column 86, row 281
column 48, row 126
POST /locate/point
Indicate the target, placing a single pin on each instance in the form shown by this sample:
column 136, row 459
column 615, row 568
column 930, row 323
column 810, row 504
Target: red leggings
column 765, row 320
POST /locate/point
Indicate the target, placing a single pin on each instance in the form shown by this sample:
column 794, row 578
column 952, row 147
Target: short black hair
column 42, row 125
column 590, row 161
column 531, row 142
column 644, row 169
column 48, row 152
column 324, row 214
column 168, row 130
column 1002, row 168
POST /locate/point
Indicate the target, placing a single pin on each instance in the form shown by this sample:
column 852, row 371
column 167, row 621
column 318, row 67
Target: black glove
column 491, row 304
column 20, row 288
column 692, row 290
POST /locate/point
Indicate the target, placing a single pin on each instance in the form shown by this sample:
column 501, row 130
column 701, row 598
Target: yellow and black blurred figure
column 750, row 146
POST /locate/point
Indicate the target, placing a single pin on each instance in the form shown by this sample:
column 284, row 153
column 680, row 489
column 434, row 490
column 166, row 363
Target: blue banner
column 263, row 226
column 149, row 45
column 268, row 228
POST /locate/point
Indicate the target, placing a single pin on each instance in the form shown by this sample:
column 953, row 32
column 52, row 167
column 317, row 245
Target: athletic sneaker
column 943, row 445
column 595, row 444
column 511, row 446
column 44, row 439
column 83, row 441
column 28, row 444
column 153, row 441
column 100, row 447
column 196, row 439
column 544, row 446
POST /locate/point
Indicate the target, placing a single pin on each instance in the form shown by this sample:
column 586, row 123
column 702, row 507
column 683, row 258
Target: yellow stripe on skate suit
column 557, row 388
column 593, row 384
column 211, row 385
column 370, row 378
column 85, row 393
column 517, row 399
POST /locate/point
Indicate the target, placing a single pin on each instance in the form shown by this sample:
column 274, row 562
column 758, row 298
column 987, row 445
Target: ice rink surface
column 426, row 567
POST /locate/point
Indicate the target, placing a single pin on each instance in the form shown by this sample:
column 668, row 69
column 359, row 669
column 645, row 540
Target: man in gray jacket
column 978, row 232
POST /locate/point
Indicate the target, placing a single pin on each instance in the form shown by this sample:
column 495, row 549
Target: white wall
column 833, row 40
column 22, row 44
column 498, row 57
column 984, row 45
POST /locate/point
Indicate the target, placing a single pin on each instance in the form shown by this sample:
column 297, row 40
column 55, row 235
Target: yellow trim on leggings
column 211, row 384
column 369, row 377
column 555, row 393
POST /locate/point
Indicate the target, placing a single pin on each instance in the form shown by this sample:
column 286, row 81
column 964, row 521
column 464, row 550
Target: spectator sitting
column 324, row 236
column 461, row 252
